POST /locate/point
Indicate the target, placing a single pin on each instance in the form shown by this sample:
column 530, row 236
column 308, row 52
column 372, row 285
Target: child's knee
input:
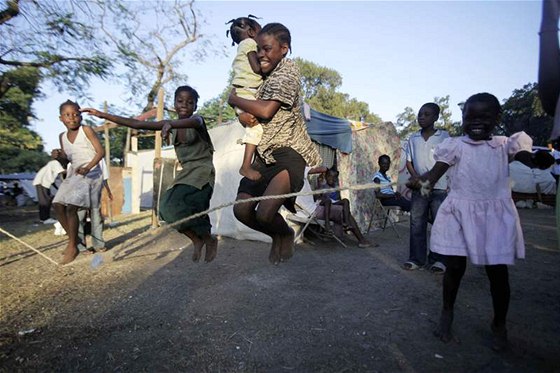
column 240, row 212
column 264, row 218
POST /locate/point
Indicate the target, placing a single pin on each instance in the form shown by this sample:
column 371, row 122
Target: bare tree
column 55, row 37
column 150, row 39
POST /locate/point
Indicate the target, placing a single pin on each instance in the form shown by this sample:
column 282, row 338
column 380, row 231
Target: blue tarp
column 20, row 176
column 332, row 131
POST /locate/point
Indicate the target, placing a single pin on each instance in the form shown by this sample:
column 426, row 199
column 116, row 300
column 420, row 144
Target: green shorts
column 182, row 201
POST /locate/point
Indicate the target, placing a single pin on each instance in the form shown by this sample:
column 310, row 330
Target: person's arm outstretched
column 549, row 56
column 194, row 121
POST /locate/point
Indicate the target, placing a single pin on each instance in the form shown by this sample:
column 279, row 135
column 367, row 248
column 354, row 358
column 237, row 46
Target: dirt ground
column 148, row 307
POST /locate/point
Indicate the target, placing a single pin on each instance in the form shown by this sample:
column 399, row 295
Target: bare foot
column 69, row 255
column 197, row 248
column 443, row 330
column 211, row 248
column 274, row 256
column 249, row 173
column 499, row 338
column 287, row 246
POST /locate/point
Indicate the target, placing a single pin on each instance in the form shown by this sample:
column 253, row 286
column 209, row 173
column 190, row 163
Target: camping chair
column 385, row 215
column 305, row 217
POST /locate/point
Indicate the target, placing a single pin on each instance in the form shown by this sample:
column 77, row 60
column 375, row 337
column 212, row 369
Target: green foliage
column 217, row 111
column 523, row 111
column 14, row 160
column 21, row 149
column 315, row 77
column 320, row 84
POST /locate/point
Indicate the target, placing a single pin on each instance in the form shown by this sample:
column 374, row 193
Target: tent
column 25, row 181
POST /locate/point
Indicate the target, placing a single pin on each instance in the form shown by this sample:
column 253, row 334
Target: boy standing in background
column 419, row 160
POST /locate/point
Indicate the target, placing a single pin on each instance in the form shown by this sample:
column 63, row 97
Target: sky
column 390, row 54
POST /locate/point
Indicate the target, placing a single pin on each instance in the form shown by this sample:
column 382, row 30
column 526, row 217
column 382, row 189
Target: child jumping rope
column 285, row 147
column 478, row 219
column 246, row 80
column 192, row 188
column 79, row 145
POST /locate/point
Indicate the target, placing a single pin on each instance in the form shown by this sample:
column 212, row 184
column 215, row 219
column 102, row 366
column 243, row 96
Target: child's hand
column 414, row 183
column 83, row 171
column 165, row 131
column 425, row 188
column 248, row 120
column 58, row 154
column 420, row 183
column 92, row 111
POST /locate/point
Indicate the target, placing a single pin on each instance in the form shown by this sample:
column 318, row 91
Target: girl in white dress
column 478, row 219
column 80, row 145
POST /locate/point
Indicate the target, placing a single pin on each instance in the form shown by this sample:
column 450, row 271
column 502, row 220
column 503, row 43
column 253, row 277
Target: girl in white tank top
column 83, row 149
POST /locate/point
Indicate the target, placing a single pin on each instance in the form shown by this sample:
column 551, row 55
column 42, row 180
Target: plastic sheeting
column 332, row 131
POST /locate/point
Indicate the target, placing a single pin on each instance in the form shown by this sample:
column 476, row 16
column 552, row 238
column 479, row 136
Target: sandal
column 102, row 249
column 410, row 266
column 437, row 268
column 89, row 251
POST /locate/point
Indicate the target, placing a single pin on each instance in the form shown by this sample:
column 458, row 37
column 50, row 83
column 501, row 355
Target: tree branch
column 52, row 61
column 11, row 11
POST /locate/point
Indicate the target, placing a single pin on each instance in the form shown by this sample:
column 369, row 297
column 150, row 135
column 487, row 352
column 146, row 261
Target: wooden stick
column 29, row 246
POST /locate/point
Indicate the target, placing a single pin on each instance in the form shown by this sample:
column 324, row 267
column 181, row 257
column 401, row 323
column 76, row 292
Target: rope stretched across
column 161, row 229
column 194, row 216
column 28, row 246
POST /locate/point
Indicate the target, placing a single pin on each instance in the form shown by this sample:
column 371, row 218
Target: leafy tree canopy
column 21, row 149
column 320, row 85
column 523, row 111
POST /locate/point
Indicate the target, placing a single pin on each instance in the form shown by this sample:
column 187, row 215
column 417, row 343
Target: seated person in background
column 332, row 207
column 386, row 195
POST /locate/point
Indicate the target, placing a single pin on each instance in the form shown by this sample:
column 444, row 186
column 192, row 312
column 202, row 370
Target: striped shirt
column 287, row 126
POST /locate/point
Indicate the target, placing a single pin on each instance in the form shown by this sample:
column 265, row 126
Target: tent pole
column 157, row 154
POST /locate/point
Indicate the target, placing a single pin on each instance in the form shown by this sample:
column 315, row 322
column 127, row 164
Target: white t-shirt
column 48, row 174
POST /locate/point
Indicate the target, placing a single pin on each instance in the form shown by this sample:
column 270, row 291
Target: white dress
column 478, row 218
column 78, row 189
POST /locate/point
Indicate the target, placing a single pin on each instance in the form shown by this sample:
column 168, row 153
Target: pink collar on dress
column 494, row 142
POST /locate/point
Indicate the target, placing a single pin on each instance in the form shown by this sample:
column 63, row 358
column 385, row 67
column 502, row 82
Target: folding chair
column 385, row 215
column 303, row 216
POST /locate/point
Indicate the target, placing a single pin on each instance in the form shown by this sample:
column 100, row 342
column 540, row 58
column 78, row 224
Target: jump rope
column 152, row 234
